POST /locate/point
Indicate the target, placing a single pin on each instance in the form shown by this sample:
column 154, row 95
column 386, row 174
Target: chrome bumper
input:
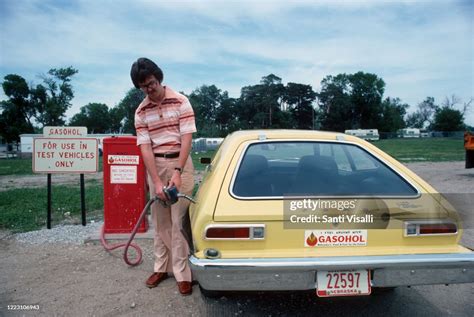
column 300, row 273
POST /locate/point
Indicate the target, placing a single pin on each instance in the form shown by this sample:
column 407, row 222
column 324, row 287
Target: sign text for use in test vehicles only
column 65, row 154
column 65, row 150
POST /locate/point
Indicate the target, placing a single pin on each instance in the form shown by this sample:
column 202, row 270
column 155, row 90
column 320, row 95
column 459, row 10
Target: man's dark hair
column 142, row 69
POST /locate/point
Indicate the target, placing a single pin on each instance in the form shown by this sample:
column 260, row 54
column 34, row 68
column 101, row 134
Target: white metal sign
column 123, row 174
column 58, row 155
column 65, row 132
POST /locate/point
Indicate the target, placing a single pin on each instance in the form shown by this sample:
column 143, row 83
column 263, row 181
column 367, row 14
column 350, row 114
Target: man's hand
column 149, row 160
column 176, row 180
column 159, row 191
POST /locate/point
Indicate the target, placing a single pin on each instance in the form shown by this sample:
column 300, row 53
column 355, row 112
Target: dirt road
column 8, row 182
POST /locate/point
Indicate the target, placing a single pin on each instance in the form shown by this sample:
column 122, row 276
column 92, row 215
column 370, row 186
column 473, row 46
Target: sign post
column 65, row 150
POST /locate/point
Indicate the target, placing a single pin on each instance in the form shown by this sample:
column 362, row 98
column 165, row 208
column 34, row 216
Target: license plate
column 343, row 283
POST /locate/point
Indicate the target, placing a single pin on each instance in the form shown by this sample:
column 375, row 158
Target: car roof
column 247, row 135
column 235, row 139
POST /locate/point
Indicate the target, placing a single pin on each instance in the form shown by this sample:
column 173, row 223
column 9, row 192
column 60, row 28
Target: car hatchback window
column 276, row 169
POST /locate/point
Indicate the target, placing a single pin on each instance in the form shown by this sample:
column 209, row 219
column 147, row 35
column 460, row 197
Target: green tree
column 123, row 115
column 225, row 116
column 273, row 92
column 337, row 112
column 207, row 102
column 46, row 104
column 53, row 99
column 259, row 106
column 117, row 120
column 351, row 101
column 414, row 120
column 17, row 111
column 95, row 116
column 18, row 92
column 448, row 119
column 366, row 97
column 393, row 112
column 299, row 99
column 12, row 123
column 424, row 114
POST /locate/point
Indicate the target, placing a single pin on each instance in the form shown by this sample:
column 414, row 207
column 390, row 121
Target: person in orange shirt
column 164, row 122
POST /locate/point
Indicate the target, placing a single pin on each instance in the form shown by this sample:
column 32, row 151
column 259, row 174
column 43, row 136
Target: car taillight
column 430, row 227
column 228, row 233
column 438, row 228
column 249, row 232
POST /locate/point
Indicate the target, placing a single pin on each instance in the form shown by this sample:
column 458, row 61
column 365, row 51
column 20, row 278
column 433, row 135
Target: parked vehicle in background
column 311, row 210
column 409, row 133
column 469, row 147
column 206, row 144
column 424, row 134
column 366, row 134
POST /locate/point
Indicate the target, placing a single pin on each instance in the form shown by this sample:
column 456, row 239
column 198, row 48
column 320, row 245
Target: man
column 164, row 122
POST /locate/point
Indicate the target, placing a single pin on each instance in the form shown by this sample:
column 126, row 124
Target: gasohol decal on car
column 335, row 238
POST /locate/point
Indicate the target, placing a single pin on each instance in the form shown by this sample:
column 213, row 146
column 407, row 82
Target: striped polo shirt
column 162, row 124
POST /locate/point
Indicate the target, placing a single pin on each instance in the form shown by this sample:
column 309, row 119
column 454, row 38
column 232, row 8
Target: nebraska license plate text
column 343, row 283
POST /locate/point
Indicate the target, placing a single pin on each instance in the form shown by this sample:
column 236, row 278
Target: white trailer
column 206, row 144
column 366, row 134
column 409, row 133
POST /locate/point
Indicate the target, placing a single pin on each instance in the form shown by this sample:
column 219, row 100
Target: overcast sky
column 419, row 48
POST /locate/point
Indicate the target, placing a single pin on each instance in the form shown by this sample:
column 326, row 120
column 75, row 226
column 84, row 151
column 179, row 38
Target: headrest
column 321, row 163
column 253, row 165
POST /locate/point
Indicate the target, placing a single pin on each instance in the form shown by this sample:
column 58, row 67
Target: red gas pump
column 125, row 193
column 124, row 185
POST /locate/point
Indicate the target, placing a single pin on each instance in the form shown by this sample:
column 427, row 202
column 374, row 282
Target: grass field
column 197, row 156
column 423, row 150
column 25, row 209
column 15, row 167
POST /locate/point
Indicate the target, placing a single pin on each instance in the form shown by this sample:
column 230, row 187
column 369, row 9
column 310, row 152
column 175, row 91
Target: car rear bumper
column 300, row 273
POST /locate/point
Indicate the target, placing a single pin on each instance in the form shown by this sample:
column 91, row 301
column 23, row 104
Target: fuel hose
column 173, row 195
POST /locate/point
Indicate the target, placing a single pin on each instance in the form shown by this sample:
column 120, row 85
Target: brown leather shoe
column 185, row 288
column 155, row 279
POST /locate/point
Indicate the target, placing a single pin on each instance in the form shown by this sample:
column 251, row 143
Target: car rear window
column 276, row 169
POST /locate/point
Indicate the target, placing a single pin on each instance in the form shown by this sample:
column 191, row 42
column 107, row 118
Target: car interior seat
column 316, row 175
column 252, row 178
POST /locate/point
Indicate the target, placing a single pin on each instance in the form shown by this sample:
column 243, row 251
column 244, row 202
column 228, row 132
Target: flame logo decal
column 312, row 240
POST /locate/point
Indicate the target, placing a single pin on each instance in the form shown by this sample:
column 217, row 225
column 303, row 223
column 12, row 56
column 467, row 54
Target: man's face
column 152, row 87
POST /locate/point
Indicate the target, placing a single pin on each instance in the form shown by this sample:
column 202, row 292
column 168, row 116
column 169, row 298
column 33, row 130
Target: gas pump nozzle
column 173, row 195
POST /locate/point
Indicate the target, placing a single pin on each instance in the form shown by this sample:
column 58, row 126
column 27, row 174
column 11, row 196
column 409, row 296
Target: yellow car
column 301, row 210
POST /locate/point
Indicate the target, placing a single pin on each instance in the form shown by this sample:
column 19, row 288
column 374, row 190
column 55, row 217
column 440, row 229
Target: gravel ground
column 446, row 177
column 70, row 234
column 54, row 271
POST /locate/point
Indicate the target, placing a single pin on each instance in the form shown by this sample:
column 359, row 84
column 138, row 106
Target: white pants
column 171, row 247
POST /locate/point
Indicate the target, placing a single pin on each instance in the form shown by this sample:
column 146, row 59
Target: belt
column 167, row 155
